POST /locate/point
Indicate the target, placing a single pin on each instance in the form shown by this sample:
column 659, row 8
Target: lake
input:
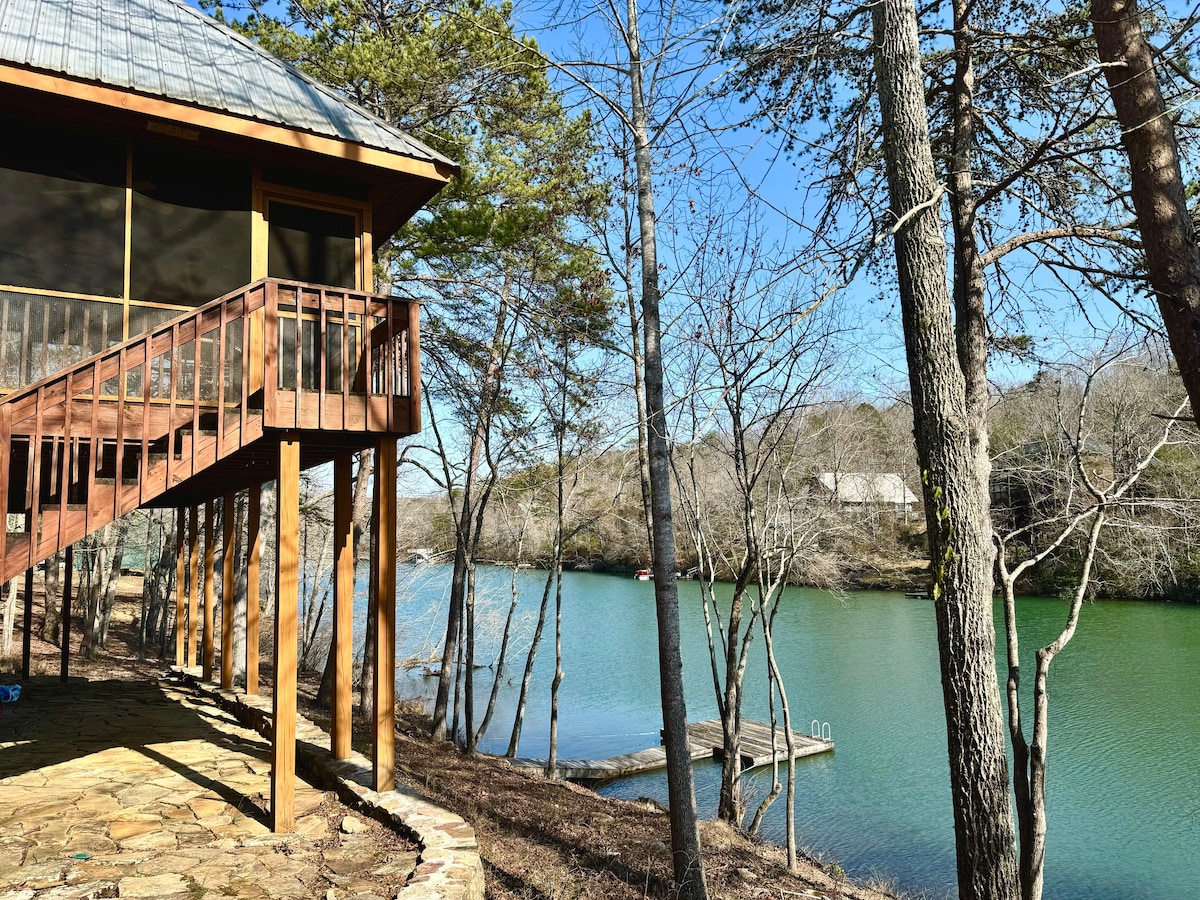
column 1124, row 781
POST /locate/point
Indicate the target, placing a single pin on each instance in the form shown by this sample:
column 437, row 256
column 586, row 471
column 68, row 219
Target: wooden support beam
column 287, row 588
column 209, row 594
column 26, row 639
column 343, row 604
column 65, row 627
column 180, row 588
column 414, row 367
column 253, row 559
column 383, row 764
column 193, row 581
column 227, row 523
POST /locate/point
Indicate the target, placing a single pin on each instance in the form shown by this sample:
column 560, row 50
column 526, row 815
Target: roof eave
column 437, row 171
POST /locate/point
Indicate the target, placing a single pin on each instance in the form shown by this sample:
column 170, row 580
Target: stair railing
column 157, row 409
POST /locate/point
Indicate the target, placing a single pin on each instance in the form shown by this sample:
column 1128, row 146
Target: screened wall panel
column 145, row 318
column 62, row 220
column 312, row 245
column 42, row 335
column 191, row 226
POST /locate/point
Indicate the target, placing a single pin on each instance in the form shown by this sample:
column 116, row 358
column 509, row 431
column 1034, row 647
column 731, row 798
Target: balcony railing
column 125, row 426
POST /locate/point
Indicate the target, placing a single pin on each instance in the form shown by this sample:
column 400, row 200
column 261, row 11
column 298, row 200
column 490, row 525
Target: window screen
column 191, row 226
column 43, row 335
column 62, row 220
column 315, row 246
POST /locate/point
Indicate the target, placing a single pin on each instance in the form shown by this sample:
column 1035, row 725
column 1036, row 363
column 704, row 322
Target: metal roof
column 860, row 487
column 168, row 49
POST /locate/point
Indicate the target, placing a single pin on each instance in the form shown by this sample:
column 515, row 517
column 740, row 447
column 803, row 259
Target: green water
column 1124, row 782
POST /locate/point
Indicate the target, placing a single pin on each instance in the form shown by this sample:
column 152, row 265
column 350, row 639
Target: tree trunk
column 685, row 832
column 1156, row 180
column 147, row 587
column 240, row 589
column 359, row 513
column 10, row 612
column 108, row 590
column 88, row 594
column 556, row 683
column 1016, row 731
column 365, row 692
column 731, row 808
column 519, row 719
column 639, row 394
column 464, row 522
column 157, row 588
column 50, row 604
column 501, row 656
column 446, row 674
column 952, row 451
column 768, row 627
column 467, row 669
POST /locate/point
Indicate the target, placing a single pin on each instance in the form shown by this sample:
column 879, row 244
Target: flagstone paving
column 142, row 790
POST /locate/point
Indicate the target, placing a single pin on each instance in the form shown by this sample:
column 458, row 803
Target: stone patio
column 129, row 789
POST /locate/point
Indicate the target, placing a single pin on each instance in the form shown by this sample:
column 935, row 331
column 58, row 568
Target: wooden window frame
column 266, row 193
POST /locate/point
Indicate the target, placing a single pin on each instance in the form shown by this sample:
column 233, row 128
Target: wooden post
column 343, row 604
column 193, row 581
column 287, row 587
column 26, row 639
column 253, row 558
column 180, row 586
column 414, row 367
column 227, row 523
column 65, row 630
column 5, row 471
column 209, row 594
column 383, row 773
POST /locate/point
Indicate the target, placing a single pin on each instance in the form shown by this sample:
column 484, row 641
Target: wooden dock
column 705, row 741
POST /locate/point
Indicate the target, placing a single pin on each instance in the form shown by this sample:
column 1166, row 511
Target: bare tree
column 10, row 612
column 52, row 615
column 1094, row 486
column 102, row 556
column 760, row 355
column 646, row 92
column 498, row 665
column 158, row 583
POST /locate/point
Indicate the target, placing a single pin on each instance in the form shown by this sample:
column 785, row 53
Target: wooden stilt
column 343, row 604
column 383, row 771
column 209, row 594
column 287, row 586
column 227, row 593
column 253, row 558
column 65, row 630
column 193, row 581
column 180, row 589
column 26, row 639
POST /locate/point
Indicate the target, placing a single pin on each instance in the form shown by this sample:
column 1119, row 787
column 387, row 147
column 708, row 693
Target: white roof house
column 862, row 489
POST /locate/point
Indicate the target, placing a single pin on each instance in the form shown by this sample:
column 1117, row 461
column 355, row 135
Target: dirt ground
column 539, row 839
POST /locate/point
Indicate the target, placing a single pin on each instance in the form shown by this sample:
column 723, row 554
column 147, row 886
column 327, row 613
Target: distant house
column 863, row 490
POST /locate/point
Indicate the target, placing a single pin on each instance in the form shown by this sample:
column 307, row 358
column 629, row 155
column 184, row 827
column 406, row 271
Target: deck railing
column 153, row 411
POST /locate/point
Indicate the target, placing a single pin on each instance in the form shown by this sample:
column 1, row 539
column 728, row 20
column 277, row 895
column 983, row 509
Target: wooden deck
column 705, row 741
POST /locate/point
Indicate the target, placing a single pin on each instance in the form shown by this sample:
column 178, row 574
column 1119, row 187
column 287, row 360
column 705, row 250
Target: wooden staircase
column 194, row 409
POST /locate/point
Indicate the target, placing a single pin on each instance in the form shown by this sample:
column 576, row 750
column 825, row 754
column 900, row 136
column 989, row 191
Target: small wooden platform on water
column 705, row 741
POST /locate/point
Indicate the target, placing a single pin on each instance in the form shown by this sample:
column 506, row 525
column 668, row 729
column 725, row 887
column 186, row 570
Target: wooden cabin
column 187, row 228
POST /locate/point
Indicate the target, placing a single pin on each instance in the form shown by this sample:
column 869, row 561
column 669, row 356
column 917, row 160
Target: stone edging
column 448, row 868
